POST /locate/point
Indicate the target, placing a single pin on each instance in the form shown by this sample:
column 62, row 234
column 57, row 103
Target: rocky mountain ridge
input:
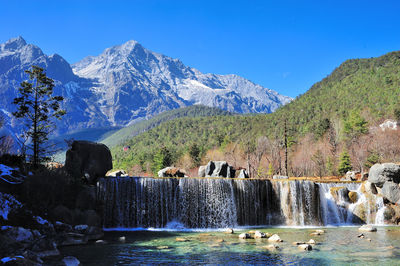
column 125, row 84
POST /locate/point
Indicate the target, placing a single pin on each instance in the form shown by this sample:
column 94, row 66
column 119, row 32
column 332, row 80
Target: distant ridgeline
column 359, row 93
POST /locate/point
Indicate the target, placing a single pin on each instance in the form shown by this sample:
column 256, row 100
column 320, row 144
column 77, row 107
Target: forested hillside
column 141, row 127
column 334, row 117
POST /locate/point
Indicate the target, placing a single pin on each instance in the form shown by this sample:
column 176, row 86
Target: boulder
column 353, row 196
column 202, row 171
column 275, row 238
column 172, row 172
column 305, row 247
column 258, row 234
column 18, row 234
column 381, row 173
column 243, row 174
column 70, row 261
column 244, row 236
column 219, row 169
column 350, row 176
column 364, row 176
column 369, row 188
column 229, row 231
column 271, row 247
column 81, row 228
column 87, row 159
column 367, row 228
column 391, row 192
column 118, row 173
column 311, row 242
column 45, row 247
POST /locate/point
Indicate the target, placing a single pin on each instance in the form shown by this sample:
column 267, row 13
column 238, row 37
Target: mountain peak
column 14, row 43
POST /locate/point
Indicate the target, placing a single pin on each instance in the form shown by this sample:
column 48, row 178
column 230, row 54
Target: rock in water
column 367, row 228
column 275, row 238
column 258, row 234
column 244, row 236
column 88, row 159
column 305, row 247
column 71, row 261
column 353, row 196
column 272, row 247
column 229, row 231
column 381, row 173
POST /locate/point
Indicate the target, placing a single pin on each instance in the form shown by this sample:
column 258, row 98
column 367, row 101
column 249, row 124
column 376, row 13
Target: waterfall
column 135, row 202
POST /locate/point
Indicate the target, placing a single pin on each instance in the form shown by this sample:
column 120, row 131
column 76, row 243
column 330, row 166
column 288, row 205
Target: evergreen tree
column 194, row 152
column 162, row 159
column 355, row 125
column 38, row 108
column 344, row 163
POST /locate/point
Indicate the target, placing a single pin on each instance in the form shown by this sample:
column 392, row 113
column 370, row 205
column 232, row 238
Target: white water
column 176, row 204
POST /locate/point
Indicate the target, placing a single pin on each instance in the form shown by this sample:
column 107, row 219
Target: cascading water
column 133, row 202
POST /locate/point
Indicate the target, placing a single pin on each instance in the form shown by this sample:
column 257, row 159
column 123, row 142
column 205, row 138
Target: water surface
column 338, row 246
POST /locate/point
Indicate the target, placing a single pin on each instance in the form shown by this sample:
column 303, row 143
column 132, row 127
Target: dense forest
column 330, row 129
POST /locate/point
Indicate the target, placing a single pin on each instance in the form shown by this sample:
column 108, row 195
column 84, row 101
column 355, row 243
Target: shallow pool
column 337, row 246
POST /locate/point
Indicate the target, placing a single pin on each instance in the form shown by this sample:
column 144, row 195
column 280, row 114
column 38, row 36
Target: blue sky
column 284, row 45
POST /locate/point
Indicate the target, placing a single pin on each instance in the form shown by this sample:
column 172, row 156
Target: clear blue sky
column 283, row 45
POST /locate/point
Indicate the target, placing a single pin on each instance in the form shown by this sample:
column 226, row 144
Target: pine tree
column 344, row 163
column 38, row 108
column 194, row 153
column 162, row 159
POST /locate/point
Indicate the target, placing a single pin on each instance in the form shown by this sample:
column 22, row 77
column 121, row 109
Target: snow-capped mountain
column 127, row 83
column 16, row 56
column 134, row 82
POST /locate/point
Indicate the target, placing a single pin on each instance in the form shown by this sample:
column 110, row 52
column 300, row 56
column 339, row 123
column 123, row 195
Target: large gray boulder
column 381, row 173
column 219, row 169
column 391, row 191
column 89, row 160
column 202, row 171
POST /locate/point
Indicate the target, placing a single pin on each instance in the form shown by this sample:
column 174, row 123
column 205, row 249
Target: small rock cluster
column 221, row 169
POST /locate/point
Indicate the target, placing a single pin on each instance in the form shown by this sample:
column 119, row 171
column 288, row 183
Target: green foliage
column 344, row 163
column 162, row 159
column 131, row 131
column 194, row 152
column 36, row 106
column 372, row 159
column 396, row 113
column 270, row 170
column 355, row 125
column 351, row 89
column 322, row 127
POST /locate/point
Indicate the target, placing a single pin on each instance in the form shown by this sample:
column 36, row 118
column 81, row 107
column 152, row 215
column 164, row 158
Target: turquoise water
column 337, row 246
